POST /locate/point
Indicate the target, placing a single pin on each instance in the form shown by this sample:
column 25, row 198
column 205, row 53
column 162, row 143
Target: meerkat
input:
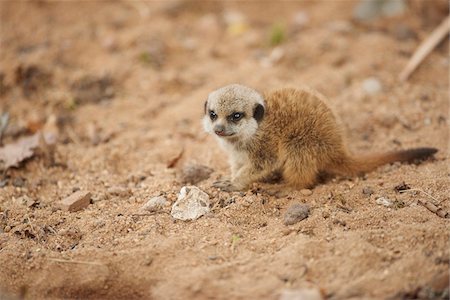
column 288, row 132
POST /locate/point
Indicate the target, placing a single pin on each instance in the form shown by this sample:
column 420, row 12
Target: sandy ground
column 123, row 84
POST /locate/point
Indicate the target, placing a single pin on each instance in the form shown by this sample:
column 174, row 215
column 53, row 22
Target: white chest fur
column 237, row 158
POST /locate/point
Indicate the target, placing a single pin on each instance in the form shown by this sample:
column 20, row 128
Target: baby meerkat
column 288, row 132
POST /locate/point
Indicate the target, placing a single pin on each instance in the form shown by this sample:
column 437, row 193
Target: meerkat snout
column 219, row 129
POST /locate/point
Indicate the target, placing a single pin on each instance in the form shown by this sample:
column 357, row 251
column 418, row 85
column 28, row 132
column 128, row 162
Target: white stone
column 372, row 86
column 384, row 201
column 300, row 19
column 192, row 203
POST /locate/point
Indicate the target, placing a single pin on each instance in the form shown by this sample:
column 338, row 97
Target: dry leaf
column 12, row 155
column 172, row 163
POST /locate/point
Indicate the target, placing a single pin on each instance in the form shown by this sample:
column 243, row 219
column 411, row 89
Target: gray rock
column 18, row 182
column 391, row 8
column 402, row 32
column 154, row 204
column 367, row 191
column 372, row 86
column 192, row 203
column 367, row 10
column 193, row 173
column 295, row 213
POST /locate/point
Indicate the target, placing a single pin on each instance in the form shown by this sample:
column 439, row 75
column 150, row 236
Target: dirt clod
column 155, row 204
column 18, row 182
column 90, row 89
column 31, row 79
column 306, row 192
column 119, row 191
column 402, row 187
column 296, row 213
column 76, row 201
column 193, row 173
column 367, row 191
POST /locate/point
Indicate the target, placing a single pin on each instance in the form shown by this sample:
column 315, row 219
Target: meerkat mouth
column 224, row 134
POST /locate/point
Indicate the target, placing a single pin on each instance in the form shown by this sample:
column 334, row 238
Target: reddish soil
column 126, row 82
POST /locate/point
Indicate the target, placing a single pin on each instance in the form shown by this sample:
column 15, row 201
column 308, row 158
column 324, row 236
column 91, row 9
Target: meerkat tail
column 362, row 164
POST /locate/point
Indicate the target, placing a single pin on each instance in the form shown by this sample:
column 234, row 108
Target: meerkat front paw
column 226, row 185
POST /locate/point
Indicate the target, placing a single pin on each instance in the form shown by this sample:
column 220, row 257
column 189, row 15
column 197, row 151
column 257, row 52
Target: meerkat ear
column 258, row 112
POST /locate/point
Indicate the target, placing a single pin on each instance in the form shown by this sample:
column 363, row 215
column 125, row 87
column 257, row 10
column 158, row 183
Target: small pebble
column 148, row 261
column 18, row 182
column 155, row 204
column 402, row 32
column 369, row 10
column 367, row 191
column 25, row 200
column 300, row 19
column 193, row 174
column 119, row 191
column 306, row 192
column 384, row 201
column 76, row 201
column 402, row 187
column 295, row 213
column 325, row 214
column 372, row 86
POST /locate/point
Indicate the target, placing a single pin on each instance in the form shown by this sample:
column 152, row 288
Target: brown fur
column 300, row 138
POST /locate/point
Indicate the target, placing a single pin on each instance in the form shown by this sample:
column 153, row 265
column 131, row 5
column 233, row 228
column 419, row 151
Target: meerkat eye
column 236, row 116
column 212, row 115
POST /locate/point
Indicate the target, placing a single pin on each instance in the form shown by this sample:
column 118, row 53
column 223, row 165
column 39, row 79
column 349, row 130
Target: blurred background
column 90, row 69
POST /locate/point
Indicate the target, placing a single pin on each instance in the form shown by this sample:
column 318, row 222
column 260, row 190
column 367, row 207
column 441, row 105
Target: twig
column 150, row 214
column 4, row 120
column 425, row 48
column 33, row 229
column 422, row 191
column 433, row 208
column 50, row 228
column 429, row 205
column 76, row 261
column 172, row 163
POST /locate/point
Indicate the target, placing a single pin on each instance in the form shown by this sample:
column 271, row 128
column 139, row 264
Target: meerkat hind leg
column 300, row 172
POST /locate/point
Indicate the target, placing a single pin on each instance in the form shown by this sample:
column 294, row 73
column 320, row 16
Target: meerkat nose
column 221, row 132
column 219, row 129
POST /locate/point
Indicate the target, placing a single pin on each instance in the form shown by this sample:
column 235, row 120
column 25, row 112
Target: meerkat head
column 233, row 112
